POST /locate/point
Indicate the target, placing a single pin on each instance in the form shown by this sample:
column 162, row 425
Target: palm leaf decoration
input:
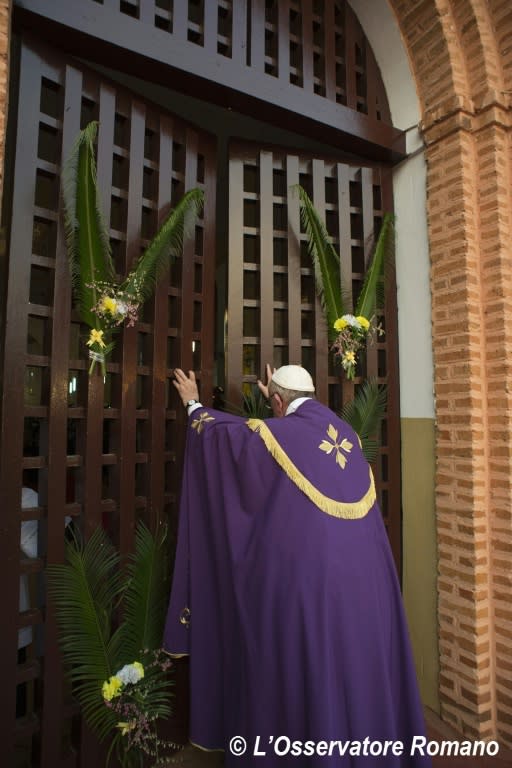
column 87, row 237
column 167, row 244
column 145, row 595
column 254, row 405
column 327, row 264
column 90, row 591
column 84, row 591
column 367, row 408
column 364, row 414
column 381, row 260
column 325, row 259
column 103, row 300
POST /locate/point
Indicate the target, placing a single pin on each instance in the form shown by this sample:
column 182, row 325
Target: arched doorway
column 108, row 454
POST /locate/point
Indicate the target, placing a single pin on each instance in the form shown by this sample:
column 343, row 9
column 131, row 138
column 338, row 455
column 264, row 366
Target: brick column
column 462, row 489
column 5, row 28
column 470, row 214
column 463, row 71
column 493, row 136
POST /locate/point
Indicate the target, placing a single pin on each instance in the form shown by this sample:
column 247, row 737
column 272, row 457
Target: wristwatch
column 191, row 402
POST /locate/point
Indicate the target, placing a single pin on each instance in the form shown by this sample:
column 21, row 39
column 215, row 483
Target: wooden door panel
column 103, row 452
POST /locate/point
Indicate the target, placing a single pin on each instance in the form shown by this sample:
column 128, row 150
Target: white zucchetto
column 293, row 377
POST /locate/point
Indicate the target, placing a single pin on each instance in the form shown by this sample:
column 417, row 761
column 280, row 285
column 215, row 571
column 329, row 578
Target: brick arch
column 500, row 16
column 482, row 49
column 460, row 51
column 463, row 69
column 470, row 39
column 436, row 63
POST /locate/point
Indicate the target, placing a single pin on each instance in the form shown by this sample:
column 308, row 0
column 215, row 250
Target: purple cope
column 285, row 593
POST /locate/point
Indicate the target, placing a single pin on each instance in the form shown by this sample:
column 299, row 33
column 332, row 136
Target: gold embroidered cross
column 329, row 446
column 201, row 421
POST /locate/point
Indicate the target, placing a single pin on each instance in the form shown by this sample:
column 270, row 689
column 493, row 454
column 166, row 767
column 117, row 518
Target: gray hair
column 287, row 395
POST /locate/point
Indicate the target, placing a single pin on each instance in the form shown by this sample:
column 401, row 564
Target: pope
column 285, row 593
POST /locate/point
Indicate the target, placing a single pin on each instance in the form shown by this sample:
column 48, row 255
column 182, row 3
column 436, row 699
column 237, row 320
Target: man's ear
column 280, row 402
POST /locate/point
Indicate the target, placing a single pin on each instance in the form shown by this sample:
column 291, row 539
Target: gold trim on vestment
column 347, row 510
column 175, row 655
column 205, row 749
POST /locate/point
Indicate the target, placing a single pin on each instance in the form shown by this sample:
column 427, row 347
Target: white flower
column 131, row 673
column 351, row 320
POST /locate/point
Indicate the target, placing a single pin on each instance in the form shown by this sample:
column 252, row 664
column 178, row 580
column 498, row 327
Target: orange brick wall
column 5, row 24
column 461, row 56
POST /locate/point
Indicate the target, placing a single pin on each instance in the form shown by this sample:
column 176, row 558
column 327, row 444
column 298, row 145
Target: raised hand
column 186, row 385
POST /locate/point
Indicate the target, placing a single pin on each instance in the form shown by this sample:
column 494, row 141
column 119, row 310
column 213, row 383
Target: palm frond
column 84, row 591
column 144, row 597
column 254, row 405
column 381, row 260
column 364, row 414
column 325, row 259
column 158, row 686
column 167, row 243
column 87, row 236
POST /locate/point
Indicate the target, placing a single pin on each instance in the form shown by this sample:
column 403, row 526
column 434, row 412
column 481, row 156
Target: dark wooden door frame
column 126, row 451
column 86, row 28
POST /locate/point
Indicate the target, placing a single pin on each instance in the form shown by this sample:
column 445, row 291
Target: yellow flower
column 340, row 324
column 111, row 688
column 349, row 357
column 108, row 304
column 126, row 727
column 96, row 337
column 363, row 322
column 140, row 669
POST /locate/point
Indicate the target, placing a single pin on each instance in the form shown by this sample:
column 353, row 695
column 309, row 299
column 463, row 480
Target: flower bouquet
column 137, row 695
column 106, row 301
column 110, row 621
column 352, row 336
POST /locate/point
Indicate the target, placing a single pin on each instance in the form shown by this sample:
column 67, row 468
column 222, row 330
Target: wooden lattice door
column 274, row 314
column 103, row 453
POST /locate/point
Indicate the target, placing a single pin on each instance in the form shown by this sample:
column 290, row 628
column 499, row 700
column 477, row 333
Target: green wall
column 420, row 551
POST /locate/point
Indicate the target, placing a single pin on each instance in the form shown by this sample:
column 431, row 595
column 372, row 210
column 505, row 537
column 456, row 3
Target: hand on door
column 264, row 387
column 186, row 385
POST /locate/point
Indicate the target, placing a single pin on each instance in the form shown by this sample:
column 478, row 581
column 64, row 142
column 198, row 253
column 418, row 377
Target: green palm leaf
column 381, row 259
column 364, row 414
column 166, row 244
column 144, row 597
column 87, row 236
column 325, row 259
column 254, row 405
column 84, row 591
